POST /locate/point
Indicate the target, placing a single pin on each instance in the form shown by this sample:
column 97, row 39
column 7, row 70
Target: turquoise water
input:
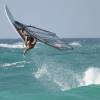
column 45, row 73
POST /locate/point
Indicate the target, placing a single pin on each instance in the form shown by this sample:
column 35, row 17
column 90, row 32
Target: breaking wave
column 66, row 80
column 91, row 76
column 15, row 45
column 75, row 44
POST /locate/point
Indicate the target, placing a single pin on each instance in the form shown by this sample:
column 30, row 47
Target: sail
column 47, row 37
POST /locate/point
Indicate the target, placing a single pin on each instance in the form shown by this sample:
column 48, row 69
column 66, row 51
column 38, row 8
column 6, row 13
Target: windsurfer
column 29, row 42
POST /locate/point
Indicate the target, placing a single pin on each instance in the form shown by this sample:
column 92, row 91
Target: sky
column 66, row 18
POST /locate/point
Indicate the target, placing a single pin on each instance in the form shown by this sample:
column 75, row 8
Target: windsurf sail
column 48, row 38
column 41, row 35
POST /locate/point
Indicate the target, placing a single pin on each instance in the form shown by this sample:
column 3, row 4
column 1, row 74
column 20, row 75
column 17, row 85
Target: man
column 29, row 42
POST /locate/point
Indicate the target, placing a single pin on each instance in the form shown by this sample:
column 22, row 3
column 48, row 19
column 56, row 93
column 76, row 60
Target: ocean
column 46, row 73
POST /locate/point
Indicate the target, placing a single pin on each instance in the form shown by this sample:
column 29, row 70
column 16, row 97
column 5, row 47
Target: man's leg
column 26, row 49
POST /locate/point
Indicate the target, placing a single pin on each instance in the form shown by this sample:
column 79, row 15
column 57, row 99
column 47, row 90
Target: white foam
column 92, row 76
column 63, row 85
column 60, row 77
column 16, row 45
column 76, row 44
column 13, row 64
column 53, row 77
column 41, row 72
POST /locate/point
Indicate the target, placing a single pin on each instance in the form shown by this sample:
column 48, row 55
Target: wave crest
column 75, row 44
column 68, row 79
column 16, row 45
column 92, row 76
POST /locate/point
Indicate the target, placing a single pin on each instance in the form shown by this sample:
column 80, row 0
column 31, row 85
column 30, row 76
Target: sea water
column 46, row 73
